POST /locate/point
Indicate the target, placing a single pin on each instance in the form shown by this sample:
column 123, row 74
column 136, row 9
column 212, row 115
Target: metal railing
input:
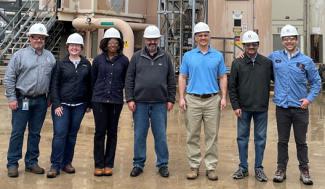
column 20, row 39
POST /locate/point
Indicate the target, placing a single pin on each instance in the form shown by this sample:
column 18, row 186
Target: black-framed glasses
column 251, row 44
column 36, row 37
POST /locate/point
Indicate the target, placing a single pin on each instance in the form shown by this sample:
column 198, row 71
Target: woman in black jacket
column 70, row 95
column 108, row 77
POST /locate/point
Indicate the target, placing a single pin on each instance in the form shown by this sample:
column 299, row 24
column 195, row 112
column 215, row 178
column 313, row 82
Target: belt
column 203, row 95
column 290, row 107
column 20, row 96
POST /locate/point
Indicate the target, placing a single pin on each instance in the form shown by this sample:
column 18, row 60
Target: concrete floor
column 228, row 156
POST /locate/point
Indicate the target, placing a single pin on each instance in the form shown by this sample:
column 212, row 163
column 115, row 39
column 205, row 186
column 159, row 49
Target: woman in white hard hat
column 108, row 77
column 70, row 95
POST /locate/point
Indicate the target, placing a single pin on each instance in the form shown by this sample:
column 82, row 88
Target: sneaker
column 280, row 175
column 260, row 175
column 36, row 169
column 13, row 171
column 193, row 174
column 52, row 173
column 240, row 173
column 163, row 171
column 305, row 177
column 212, row 174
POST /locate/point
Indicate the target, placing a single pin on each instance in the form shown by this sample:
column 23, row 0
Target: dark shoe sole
column 35, row 172
column 135, row 174
column 306, row 183
column 13, row 175
column 279, row 181
column 69, row 172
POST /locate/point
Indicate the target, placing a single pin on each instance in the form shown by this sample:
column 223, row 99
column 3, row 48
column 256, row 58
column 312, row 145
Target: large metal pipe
column 103, row 23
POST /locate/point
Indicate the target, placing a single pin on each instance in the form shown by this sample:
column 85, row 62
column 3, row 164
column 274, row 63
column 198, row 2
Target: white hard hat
column 75, row 38
column 289, row 30
column 37, row 29
column 112, row 33
column 201, row 27
column 250, row 37
column 151, row 32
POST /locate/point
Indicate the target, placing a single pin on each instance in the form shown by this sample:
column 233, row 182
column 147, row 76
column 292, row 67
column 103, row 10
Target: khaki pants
column 208, row 111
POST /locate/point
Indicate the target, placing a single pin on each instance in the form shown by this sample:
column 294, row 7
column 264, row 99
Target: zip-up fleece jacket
column 69, row 84
column 150, row 80
column 249, row 83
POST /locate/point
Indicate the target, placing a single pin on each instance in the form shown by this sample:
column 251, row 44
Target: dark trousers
column 298, row 118
column 106, row 123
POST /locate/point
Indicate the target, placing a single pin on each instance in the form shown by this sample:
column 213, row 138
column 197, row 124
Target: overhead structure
column 176, row 20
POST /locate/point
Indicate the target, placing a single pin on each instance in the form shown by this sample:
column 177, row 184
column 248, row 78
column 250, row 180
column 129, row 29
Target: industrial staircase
column 15, row 32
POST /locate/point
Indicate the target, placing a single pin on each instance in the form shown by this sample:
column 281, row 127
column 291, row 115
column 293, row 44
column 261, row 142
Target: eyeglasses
column 289, row 39
column 112, row 44
column 251, row 44
column 34, row 37
column 202, row 35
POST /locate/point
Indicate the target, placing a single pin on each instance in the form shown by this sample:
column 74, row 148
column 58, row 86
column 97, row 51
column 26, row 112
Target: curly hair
column 104, row 42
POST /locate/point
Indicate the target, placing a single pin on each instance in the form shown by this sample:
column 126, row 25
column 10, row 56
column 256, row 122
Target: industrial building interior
column 228, row 19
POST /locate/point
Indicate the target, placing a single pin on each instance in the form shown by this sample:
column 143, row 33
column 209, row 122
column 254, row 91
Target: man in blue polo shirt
column 202, row 67
column 292, row 72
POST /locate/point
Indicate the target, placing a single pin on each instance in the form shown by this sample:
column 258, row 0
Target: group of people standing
column 75, row 87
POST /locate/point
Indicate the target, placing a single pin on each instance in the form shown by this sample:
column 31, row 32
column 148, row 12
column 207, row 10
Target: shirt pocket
column 299, row 73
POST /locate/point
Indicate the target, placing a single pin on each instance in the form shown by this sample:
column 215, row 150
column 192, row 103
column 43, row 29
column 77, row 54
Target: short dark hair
column 104, row 42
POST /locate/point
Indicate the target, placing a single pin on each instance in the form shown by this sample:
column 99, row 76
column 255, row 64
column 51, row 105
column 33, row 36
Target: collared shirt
column 291, row 79
column 203, row 70
column 291, row 55
column 29, row 72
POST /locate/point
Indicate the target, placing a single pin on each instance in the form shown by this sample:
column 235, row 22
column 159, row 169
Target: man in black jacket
column 249, row 86
column 150, row 90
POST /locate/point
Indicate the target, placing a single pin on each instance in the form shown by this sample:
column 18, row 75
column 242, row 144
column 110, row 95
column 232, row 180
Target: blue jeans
column 243, row 131
column 34, row 118
column 65, row 130
column 154, row 115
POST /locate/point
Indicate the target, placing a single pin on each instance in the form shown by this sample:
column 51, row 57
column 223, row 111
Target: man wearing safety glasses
column 249, row 86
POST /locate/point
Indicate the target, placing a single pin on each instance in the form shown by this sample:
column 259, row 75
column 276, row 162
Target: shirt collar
column 293, row 55
column 197, row 50
column 34, row 50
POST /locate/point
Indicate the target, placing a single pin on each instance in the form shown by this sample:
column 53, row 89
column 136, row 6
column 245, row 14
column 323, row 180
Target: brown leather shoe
column 99, row 172
column 36, row 169
column 52, row 173
column 13, row 172
column 212, row 175
column 193, row 174
column 69, row 169
column 108, row 171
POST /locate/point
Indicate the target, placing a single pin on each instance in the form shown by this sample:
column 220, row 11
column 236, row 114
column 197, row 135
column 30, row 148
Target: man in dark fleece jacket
column 249, row 86
column 150, row 89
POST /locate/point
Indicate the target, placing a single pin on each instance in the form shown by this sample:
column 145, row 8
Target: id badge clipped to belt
column 25, row 104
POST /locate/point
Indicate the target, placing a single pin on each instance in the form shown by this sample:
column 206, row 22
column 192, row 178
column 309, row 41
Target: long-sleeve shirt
column 249, row 83
column 29, row 73
column 150, row 79
column 108, row 78
column 291, row 78
column 70, row 84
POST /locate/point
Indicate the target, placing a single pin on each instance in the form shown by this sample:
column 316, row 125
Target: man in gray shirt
column 27, row 81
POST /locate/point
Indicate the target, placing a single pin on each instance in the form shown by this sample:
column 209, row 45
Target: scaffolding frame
column 176, row 20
